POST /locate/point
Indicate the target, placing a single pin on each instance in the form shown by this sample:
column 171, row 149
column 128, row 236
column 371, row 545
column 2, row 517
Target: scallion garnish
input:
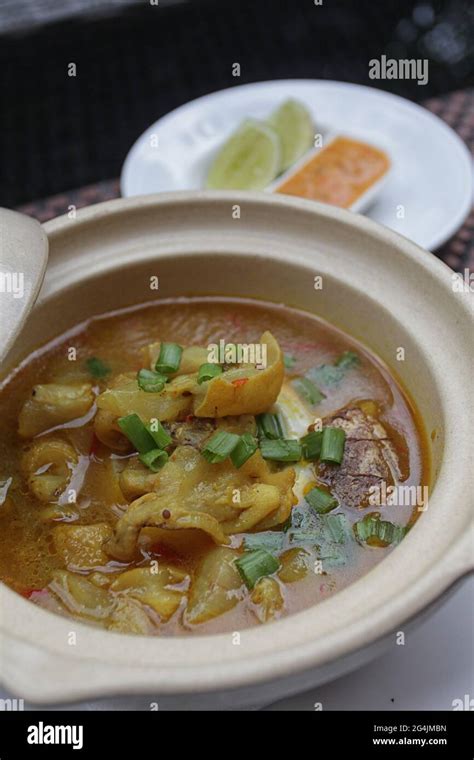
column 308, row 390
column 154, row 459
column 207, row 372
column 332, row 445
column 169, row 358
column 372, row 530
column 283, row 450
column 219, row 446
column 96, row 367
column 136, row 432
column 309, row 537
column 269, row 426
column 151, row 382
column 389, row 533
column 320, row 500
column 338, row 527
column 270, row 540
column 311, row 444
column 289, row 361
column 161, row 436
column 256, row 564
column 366, row 528
column 245, row 447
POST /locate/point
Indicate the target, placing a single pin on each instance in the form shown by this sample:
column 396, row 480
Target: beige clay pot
column 381, row 289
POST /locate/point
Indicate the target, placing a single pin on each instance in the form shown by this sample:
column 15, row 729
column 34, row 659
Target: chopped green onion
column 311, row 537
column 169, row 359
column 366, row 528
column 283, row 450
column 96, row 367
column 372, row 527
column 389, row 533
column 311, row 444
column 256, row 564
column 136, row 432
column 324, row 532
column 151, row 382
column 347, row 360
column 161, row 436
column 220, row 446
column 289, row 361
column 308, row 390
column 208, row 371
column 321, row 501
column 337, row 527
column 271, row 540
column 332, row 445
column 154, row 459
column 269, row 426
column 243, row 450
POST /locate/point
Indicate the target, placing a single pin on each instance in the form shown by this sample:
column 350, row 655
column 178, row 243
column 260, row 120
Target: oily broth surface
column 27, row 556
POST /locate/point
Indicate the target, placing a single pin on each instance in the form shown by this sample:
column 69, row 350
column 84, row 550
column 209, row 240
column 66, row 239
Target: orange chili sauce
column 339, row 174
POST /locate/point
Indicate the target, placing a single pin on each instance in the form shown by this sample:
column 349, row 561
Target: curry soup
column 201, row 465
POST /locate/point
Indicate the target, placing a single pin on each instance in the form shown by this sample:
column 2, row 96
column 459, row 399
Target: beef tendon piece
column 369, row 459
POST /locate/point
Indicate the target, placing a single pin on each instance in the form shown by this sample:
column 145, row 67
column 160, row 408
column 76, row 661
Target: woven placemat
column 456, row 109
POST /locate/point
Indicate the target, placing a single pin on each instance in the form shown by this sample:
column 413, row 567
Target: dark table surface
column 61, row 132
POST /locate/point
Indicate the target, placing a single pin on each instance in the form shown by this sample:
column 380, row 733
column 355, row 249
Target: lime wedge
column 295, row 128
column 249, row 160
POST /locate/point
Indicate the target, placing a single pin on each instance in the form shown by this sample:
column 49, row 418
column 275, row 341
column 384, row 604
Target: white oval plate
column 428, row 193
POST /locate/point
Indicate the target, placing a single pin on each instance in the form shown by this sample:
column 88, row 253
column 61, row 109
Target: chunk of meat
column 215, row 498
column 227, row 394
column 153, row 586
column 268, row 599
column 81, row 546
column 108, row 432
column 256, row 468
column 295, row 565
column 369, row 459
column 217, row 586
column 54, row 404
column 244, row 390
column 80, row 596
column 129, row 616
column 136, row 479
column 259, row 501
column 123, row 396
column 155, row 511
column 48, row 464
